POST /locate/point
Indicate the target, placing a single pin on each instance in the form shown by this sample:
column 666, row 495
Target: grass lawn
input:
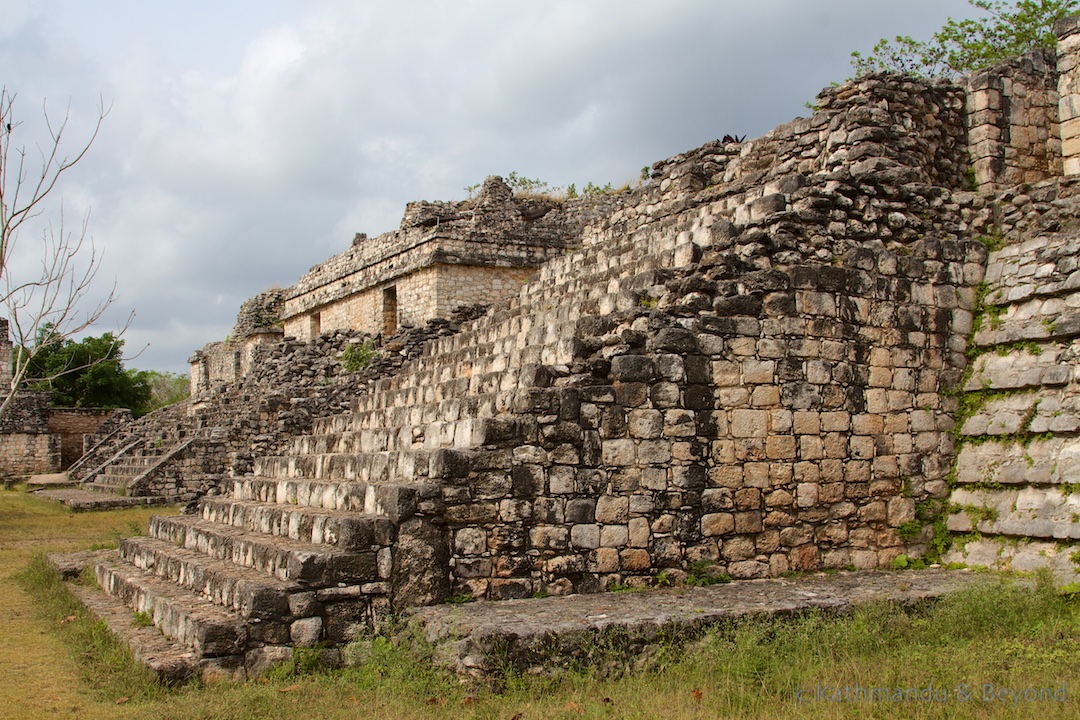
column 1000, row 638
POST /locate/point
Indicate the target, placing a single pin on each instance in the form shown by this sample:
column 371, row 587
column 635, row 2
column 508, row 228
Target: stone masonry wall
column 431, row 292
column 775, row 404
column 1013, row 129
column 494, row 230
column 26, row 444
column 1068, row 51
column 1017, row 481
column 73, row 424
column 29, row 454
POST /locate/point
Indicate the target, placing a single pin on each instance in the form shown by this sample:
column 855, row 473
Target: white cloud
column 242, row 151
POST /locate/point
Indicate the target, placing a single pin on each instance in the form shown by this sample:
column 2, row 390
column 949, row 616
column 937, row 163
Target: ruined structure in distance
column 844, row 342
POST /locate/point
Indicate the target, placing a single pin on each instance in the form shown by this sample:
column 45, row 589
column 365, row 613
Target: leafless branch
column 46, row 308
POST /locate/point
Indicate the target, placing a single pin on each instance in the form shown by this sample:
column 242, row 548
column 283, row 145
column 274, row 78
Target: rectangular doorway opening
column 389, row 312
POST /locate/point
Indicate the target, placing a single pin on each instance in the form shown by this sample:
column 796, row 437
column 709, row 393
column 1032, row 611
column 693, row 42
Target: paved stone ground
column 79, row 500
column 536, row 636
column 52, row 480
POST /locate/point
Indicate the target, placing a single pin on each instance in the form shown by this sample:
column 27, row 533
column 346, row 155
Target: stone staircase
column 118, row 463
column 327, row 538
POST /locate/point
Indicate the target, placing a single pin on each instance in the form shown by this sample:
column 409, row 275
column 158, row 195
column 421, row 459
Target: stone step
column 288, row 560
column 131, row 468
column 191, row 620
column 104, row 486
column 248, row 592
column 345, row 530
column 396, row 501
column 169, row 661
column 355, row 437
column 420, row 406
column 426, row 380
column 80, row 499
column 401, row 466
column 114, row 480
column 540, row 330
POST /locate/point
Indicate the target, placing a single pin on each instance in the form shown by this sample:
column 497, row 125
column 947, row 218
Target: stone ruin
column 37, row 438
column 839, row 345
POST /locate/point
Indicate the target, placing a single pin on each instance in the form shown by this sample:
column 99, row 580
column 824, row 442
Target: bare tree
column 45, row 308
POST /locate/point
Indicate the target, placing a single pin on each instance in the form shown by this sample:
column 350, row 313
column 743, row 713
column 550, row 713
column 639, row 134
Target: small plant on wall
column 358, row 355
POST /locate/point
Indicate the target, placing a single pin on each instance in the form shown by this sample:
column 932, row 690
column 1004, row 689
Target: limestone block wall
column 216, row 363
column 27, row 446
column 797, row 425
column 1016, row 501
column 1012, row 115
column 779, row 401
column 812, row 188
column 29, row 454
column 1068, row 51
column 429, row 292
column 73, row 425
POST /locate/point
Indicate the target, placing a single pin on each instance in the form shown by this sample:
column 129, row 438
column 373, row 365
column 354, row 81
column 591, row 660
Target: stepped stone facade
column 823, row 348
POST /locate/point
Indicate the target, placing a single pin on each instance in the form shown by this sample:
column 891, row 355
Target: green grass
column 998, row 632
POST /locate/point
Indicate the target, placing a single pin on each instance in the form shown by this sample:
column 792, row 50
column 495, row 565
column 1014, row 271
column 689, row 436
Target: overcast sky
column 249, row 140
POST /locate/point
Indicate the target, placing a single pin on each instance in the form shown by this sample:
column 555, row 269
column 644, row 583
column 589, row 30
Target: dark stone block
column 789, row 370
column 698, row 397
column 421, row 560
column 698, row 369
column 562, row 432
column 800, row 396
column 612, row 422
column 354, row 568
column 528, row 481
column 344, row 620
column 677, row 340
column 580, row 511
column 596, row 325
column 450, row 463
column 744, row 305
column 569, row 404
column 510, row 589
column 508, row 537
column 633, row 394
column 632, row 368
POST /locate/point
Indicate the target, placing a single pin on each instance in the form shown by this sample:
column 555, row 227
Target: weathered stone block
column 646, row 424
column 548, row 537
column 586, row 536
column 614, row 535
column 619, row 452
column 612, row 510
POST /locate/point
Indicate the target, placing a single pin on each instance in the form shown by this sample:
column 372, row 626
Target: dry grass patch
column 45, row 678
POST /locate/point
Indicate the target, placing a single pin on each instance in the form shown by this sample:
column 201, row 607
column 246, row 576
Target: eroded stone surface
column 485, row 638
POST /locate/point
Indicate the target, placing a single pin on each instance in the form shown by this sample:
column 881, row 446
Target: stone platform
column 81, row 500
column 536, row 636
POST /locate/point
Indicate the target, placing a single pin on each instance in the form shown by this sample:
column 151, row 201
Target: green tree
column 87, row 373
column 166, row 388
column 1007, row 30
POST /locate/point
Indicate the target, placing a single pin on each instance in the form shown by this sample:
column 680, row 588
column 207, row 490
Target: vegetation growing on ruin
column 1004, row 30
column 358, row 355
